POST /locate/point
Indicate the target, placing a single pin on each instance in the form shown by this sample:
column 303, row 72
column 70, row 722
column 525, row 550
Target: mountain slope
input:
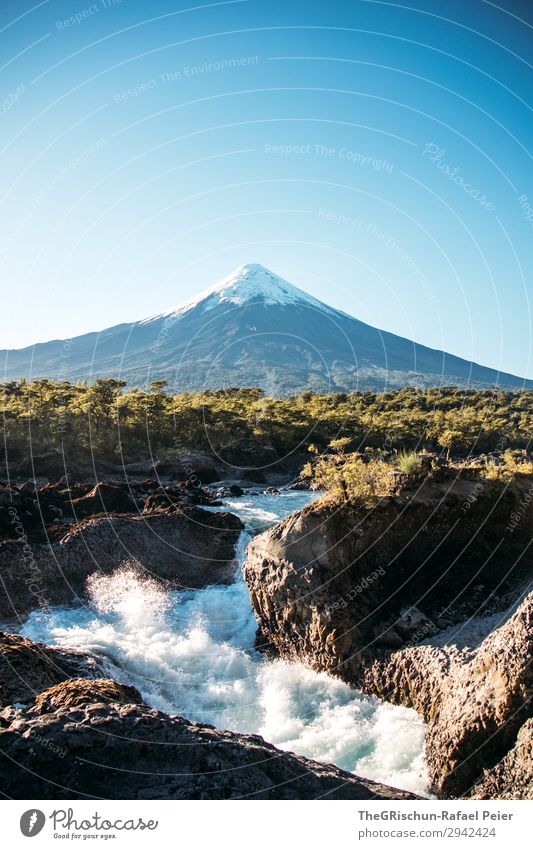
column 252, row 329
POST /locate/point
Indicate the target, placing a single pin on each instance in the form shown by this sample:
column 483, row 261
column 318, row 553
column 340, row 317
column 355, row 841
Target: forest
column 107, row 420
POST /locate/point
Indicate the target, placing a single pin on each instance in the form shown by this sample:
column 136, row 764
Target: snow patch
column 250, row 283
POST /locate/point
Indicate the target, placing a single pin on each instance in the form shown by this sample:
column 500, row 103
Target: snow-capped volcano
column 251, row 283
column 253, row 328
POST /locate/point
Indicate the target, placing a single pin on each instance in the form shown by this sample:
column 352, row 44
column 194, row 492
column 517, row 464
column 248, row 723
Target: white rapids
column 193, row 654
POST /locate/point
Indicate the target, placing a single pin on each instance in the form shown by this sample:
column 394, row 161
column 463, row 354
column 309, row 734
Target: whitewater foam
column 193, row 654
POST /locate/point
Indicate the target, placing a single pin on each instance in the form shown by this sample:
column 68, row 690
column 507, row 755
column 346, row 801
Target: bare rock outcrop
column 43, row 512
column 512, row 778
column 474, row 691
column 481, row 705
column 27, row 668
column 412, row 600
column 98, row 739
column 104, row 497
column 190, row 547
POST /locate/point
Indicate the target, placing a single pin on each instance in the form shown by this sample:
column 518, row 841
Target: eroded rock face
column 28, row 668
column 512, row 778
column 482, row 703
column 407, row 601
column 188, row 548
column 337, row 582
column 99, row 739
column 474, row 690
column 44, row 512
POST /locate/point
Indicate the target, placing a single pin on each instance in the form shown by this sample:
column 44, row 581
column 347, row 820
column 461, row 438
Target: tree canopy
column 115, row 422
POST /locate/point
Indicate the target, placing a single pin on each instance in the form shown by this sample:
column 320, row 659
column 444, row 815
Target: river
column 192, row 654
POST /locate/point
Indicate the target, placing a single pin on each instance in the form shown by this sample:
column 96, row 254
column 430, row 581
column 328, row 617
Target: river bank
column 192, row 653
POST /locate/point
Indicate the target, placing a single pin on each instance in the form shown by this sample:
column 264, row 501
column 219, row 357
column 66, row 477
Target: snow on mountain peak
column 247, row 284
column 255, row 282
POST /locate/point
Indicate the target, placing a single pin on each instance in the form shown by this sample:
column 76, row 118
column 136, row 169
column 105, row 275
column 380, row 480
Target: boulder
column 480, row 704
column 104, row 498
column 336, row 582
column 98, row 739
column 28, row 668
column 473, row 683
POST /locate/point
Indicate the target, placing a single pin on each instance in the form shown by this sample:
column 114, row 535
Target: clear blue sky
column 373, row 153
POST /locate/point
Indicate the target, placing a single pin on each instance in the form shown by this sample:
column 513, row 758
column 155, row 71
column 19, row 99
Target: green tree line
column 107, row 418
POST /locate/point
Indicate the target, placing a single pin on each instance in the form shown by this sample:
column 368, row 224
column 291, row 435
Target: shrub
column 508, row 465
column 408, row 462
column 350, row 477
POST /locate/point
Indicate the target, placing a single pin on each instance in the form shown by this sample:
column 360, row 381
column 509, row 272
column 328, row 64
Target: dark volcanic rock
column 69, row 695
column 189, row 548
column 51, row 465
column 104, row 498
column 512, row 778
column 334, row 582
column 481, row 704
column 474, row 689
column 28, row 510
column 194, row 466
column 82, row 466
column 98, row 739
column 390, row 598
column 43, row 512
column 27, row 668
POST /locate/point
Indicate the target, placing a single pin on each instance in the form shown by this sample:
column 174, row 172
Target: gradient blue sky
column 134, row 174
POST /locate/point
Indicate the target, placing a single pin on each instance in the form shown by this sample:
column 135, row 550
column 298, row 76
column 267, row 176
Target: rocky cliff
column 512, row 777
column 414, row 599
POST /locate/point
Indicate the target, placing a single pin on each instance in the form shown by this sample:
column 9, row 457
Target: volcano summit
column 253, row 329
